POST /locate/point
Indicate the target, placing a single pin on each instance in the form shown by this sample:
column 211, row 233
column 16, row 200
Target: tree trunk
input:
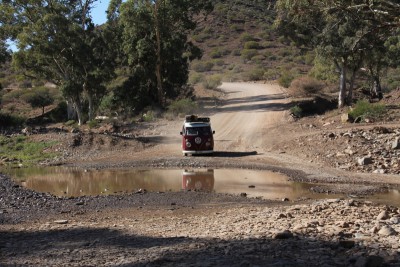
column 42, row 110
column 71, row 113
column 342, row 86
column 377, row 88
column 349, row 100
column 91, row 107
column 78, row 110
column 160, row 90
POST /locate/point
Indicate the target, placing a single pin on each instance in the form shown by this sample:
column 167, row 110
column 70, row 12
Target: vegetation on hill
column 152, row 53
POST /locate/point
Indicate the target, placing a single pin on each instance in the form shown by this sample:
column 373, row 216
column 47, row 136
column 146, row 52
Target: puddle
column 61, row 181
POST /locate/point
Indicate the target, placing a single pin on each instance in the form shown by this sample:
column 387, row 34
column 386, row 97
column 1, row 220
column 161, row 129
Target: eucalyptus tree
column 345, row 31
column 58, row 41
column 155, row 42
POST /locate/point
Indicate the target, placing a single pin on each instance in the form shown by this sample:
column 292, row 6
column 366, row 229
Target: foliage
column 183, row 106
column 363, row 109
column 306, row 85
column 39, row 97
column 156, row 47
column 212, row 81
column 66, row 48
column 195, row 78
column 202, row 66
column 296, row 111
column 285, row 79
column 22, row 149
column 346, row 33
column 252, row 45
column 9, row 120
column 248, row 54
column 255, row 74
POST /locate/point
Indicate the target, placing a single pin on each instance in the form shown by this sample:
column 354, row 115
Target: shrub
column 39, row 97
column 215, row 53
column 183, row 106
column 252, row 45
column 248, row 54
column 285, row 79
column 8, row 120
column 195, row 78
column 246, row 37
column 212, row 81
column 202, row 66
column 254, row 75
column 296, row 111
column 93, row 124
column 306, row 85
column 365, row 110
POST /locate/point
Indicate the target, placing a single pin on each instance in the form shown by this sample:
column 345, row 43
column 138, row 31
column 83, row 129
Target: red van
column 197, row 136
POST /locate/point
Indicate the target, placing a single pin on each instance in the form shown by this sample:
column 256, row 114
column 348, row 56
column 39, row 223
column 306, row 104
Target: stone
column 61, row 221
column 364, row 161
column 384, row 215
column 345, row 118
column 386, row 231
column 396, row 143
column 283, row 235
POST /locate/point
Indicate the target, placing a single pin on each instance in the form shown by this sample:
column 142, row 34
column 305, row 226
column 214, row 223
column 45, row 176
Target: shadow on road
column 231, row 154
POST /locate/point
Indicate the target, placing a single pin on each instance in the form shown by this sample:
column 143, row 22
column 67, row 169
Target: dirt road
column 241, row 124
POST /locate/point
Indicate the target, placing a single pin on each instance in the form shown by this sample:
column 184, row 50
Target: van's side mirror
column 213, row 132
column 180, row 133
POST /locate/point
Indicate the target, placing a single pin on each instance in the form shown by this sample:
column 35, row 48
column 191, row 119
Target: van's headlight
column 208, row 144
column 188, row 144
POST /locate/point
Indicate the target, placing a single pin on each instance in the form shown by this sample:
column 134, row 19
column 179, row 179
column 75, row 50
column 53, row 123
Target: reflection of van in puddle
column 198, row 180
column 197, row 136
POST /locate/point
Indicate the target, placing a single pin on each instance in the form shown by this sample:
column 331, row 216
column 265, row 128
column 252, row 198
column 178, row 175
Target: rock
column 386, row 231
column 283, row 235
column 396, row 144
column 61, row 221
column 384, row 215
column 345, row 118
column 364, row 161
column 243, row 194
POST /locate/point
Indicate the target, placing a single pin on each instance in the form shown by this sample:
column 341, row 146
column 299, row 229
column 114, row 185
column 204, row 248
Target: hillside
column 239, row 42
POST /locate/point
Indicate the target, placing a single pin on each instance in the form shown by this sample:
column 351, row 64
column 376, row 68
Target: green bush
column 285, row 79
column 364, row 110
column 254, row 75
column 202, row 66
column 212, row 81
column 248, row 54
column 93, row 124
column 195, row 78
column 183, row 106
column 296, row 111
column 246, row 37
column 252, row 45
column 8, row 120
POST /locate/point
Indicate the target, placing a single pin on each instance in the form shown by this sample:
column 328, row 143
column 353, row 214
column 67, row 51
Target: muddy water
column 61, row 181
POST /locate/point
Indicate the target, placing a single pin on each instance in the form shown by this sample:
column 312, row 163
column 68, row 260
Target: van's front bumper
column 197, row 152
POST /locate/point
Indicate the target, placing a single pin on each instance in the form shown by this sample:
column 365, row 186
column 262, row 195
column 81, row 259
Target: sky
column 99, row 12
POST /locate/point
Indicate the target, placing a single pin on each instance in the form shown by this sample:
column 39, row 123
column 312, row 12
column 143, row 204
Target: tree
column 39, row 97
column 57, row 41
column 342, row 31
column 155, row 42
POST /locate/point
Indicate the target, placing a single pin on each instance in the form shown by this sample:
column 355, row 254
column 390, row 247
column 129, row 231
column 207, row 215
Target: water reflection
column 199, row 180
column 61, row 181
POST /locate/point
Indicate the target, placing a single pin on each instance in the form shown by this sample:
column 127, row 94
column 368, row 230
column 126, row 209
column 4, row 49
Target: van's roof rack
column 194, row 118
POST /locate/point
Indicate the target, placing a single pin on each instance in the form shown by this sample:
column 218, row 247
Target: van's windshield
column 198, row 131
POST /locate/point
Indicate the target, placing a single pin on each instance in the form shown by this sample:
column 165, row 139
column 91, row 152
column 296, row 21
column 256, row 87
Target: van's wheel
column 184, row 154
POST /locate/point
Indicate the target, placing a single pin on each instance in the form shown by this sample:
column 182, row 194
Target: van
column 197, row 136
